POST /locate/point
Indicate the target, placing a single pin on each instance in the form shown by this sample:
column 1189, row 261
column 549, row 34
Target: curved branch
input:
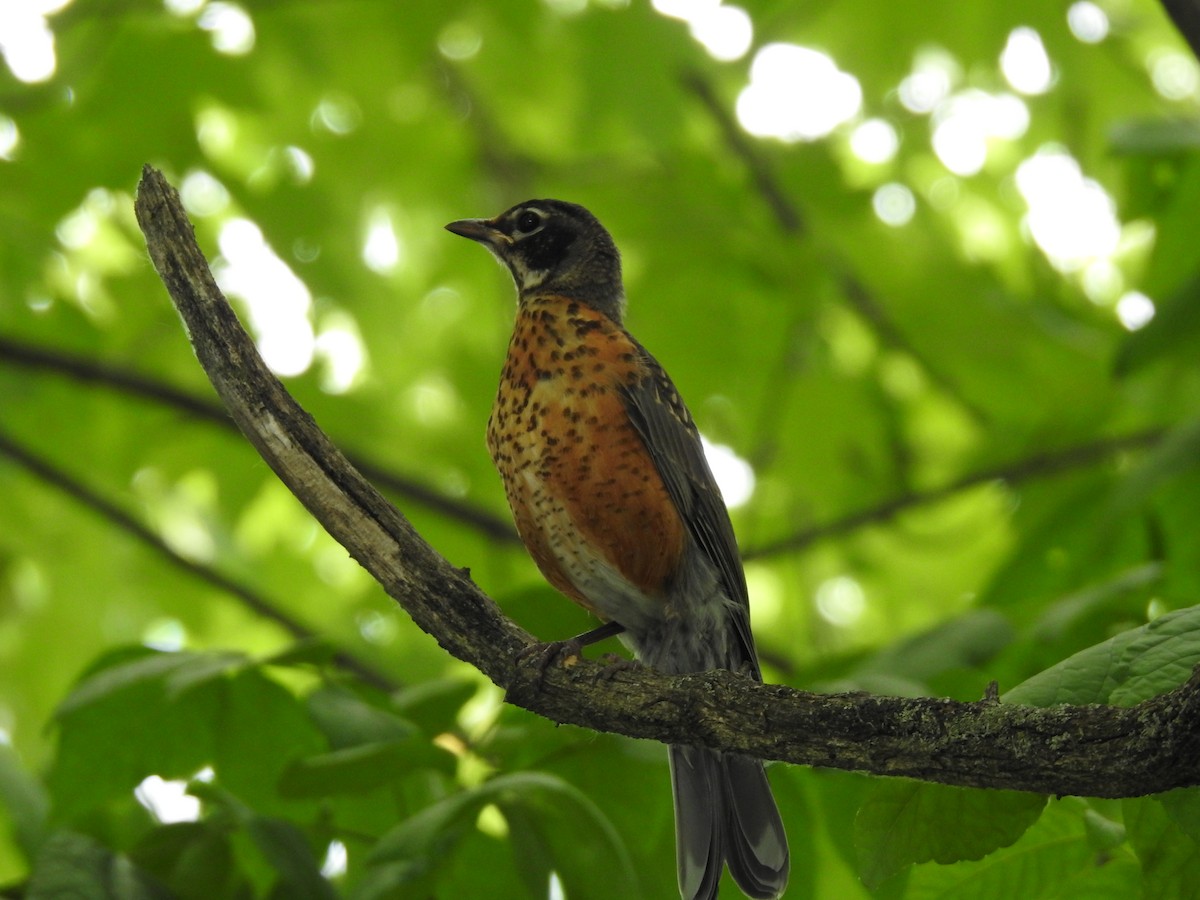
column 1086, row 750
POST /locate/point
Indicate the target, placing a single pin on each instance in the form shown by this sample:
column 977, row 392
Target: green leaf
column 433, row 706
column 1170, row 858
column 906, row 822
column 589, row 855
column 1103, row 833
column 80, row 867
column 364, row 767
column 193, row 859
column 1183, row 806
column 25, row 801
column 103, row 684
column 263, row 727
column 1178, row 452
column 313, row 651
column 1051, row 857
column 1130, row 667
column 1156, row 136
column 145, row 724
column 286, row 849
column 347, row 721
column 1176, row 323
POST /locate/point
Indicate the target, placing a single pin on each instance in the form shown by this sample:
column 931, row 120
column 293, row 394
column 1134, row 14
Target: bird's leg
column 550, row 651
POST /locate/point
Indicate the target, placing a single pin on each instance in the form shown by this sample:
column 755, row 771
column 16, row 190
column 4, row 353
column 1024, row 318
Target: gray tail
column 724, row 813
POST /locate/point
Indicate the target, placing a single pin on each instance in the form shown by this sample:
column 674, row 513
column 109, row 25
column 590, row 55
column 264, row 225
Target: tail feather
column 724, row 812
column 699, row 852
column 756, row 847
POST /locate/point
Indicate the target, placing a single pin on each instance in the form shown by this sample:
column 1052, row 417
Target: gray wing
column 666, row 427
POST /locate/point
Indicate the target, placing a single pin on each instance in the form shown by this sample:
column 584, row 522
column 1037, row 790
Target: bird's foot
column 614, row 664
column 566, row 652
column 548, row 653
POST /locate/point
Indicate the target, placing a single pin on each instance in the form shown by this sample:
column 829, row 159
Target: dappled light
column 926, row 283
column 230, row 26
column 1024, row 62
column 735, row 476
column 1071, row 217
column 278, row 302
column 1088, row 22
column 167, row 800
column 26, row 40
column 796, row 94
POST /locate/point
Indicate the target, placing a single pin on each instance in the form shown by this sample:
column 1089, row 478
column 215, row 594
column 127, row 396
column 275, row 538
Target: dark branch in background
column 1186, row 16
column 1043, row 465
column 1086, row 750
column 791, row 221
column 93, row 372
column 82, row 494
column 1039, row 466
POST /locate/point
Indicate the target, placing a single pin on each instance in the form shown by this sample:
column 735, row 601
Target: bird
column 611, row 493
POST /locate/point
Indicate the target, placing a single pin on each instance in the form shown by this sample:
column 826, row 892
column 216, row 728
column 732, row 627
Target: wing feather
column 662, row 420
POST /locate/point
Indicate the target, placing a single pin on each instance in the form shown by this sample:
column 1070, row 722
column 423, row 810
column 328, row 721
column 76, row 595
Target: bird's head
column 553, row 247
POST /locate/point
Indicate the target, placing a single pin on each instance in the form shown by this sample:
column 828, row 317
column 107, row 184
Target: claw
column 569, row 651
column 550, row 652
column 614, row 664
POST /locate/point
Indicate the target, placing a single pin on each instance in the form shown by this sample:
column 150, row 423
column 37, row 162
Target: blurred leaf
column 24, row 800
column 968, row 640
column 1156, row 136
column 434, row 706
column 1066, row 612
column 347, row 721
column 361, row 768
column 263, row 729
column 1103, row 833
column 1178, row 452
column 77, row 866
column 285, row 847
column 193, row 859
column 132, row 712
column 590, row 857
column 906, row 822
column 1169, row 857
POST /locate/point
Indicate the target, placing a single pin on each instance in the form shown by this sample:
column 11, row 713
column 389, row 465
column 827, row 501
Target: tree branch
column 94, row 372
column 1087, row 750
column 1186, row 16
column 256, row 603
column 1022, row 470
column 791, row 221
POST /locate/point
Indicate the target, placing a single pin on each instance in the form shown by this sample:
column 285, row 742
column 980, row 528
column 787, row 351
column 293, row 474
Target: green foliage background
column 966, row 469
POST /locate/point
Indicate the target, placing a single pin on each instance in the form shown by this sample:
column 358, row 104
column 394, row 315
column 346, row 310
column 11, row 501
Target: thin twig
column 791, row 221
column 95, row 373
column 256, row 603
column 1040, row 465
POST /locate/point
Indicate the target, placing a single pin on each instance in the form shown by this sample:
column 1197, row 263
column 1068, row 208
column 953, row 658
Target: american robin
column 611, row 493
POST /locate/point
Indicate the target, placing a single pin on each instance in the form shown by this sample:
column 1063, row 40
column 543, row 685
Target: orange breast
column 585, row 494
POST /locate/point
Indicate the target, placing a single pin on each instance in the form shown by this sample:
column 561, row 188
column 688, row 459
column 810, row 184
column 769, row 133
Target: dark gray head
column 553, row 247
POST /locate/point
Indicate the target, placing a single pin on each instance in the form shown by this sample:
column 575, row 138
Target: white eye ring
column 529, row 221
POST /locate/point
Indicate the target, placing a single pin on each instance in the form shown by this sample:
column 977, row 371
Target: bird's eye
column 528, row 221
